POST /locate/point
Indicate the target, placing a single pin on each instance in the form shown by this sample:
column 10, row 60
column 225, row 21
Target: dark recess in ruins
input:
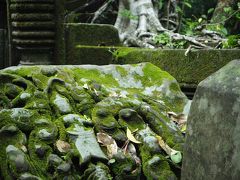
column 3, row 33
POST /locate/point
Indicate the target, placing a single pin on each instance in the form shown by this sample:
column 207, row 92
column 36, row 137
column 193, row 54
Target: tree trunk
column 137, row 18
column 219, row 13
column 138, row 24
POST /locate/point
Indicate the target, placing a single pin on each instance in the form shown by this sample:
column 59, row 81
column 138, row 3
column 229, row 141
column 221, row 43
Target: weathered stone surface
column 91, row 34
column 212, row 148
column 98, row 55
column 190, row 69
column 50, row 115
column 90, row 43
column 33, row 31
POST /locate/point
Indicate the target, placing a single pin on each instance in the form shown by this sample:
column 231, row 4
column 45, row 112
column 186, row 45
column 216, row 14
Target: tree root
column 100, row 11
column 141, row 24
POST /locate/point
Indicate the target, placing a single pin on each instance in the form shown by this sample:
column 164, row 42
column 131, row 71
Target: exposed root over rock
column 139, row 22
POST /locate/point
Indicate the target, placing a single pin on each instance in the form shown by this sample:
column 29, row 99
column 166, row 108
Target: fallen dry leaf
column 109, row 142
column 131, row 137
column 175, row 156
column 179, row 119
column 63, row 146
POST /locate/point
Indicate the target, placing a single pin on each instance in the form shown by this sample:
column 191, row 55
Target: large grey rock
column 212, row 148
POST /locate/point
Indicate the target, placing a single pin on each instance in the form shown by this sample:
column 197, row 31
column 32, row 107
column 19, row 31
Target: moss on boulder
column 50, row 117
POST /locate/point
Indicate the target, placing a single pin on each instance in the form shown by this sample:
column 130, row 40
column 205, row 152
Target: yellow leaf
column 163, row 145
column 175, row 156
column 183, row 128
column 131, row 137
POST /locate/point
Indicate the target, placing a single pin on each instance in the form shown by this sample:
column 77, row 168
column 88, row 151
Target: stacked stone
column 32, row 24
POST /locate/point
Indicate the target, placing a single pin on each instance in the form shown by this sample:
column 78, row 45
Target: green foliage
column 165, row 40
column 181, row 6
column 189, row 26
column 237, row 15
column 210, row 11
column 162, row 39
column 218, row 27
column 186, row 3
column 229, row 15
column 127, row 14
column 160, row 4
column 233, row 41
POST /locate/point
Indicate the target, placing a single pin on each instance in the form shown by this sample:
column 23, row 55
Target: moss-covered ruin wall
column 99, row 44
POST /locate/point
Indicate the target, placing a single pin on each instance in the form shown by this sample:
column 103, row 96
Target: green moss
column 93, row 34
column 95, row 75
column 4, row 101
column 174, row 87
column 121, row 53
column 24, row 119
column 39, row 161
column 121, row 70
column 40, row 80
column 16, row 140
column 152, row 74
column 89, row 55
column 163, row 127
column 11, row 90
column 40, row 146
column 111, row 96
column 130, row 118
column 38, row 101
column 98, row 171
column 90, row 44
column 124, row 166
column 62, row 134
column 190, row 69
column 145, row 152
column 24, row 72
column 158, row 168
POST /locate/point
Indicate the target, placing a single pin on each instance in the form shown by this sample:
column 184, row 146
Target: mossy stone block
column 190, row 69
column 91, row 34
column 89, row 55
